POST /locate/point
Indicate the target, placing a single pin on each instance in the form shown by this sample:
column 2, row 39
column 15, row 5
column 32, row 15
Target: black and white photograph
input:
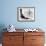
column 26, row 14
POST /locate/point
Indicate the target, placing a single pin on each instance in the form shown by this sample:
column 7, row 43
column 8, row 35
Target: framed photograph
column 26, row 14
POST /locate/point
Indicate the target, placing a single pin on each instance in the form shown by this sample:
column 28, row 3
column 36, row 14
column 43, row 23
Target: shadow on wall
column 2, row 26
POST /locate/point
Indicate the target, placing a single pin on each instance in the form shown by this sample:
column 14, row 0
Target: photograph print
column 26, row 14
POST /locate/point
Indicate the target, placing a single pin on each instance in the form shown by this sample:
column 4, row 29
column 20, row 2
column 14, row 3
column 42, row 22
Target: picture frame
column 26, row 14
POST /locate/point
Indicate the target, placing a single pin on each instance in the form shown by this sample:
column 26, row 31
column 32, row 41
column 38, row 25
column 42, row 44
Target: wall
column 8, row 13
